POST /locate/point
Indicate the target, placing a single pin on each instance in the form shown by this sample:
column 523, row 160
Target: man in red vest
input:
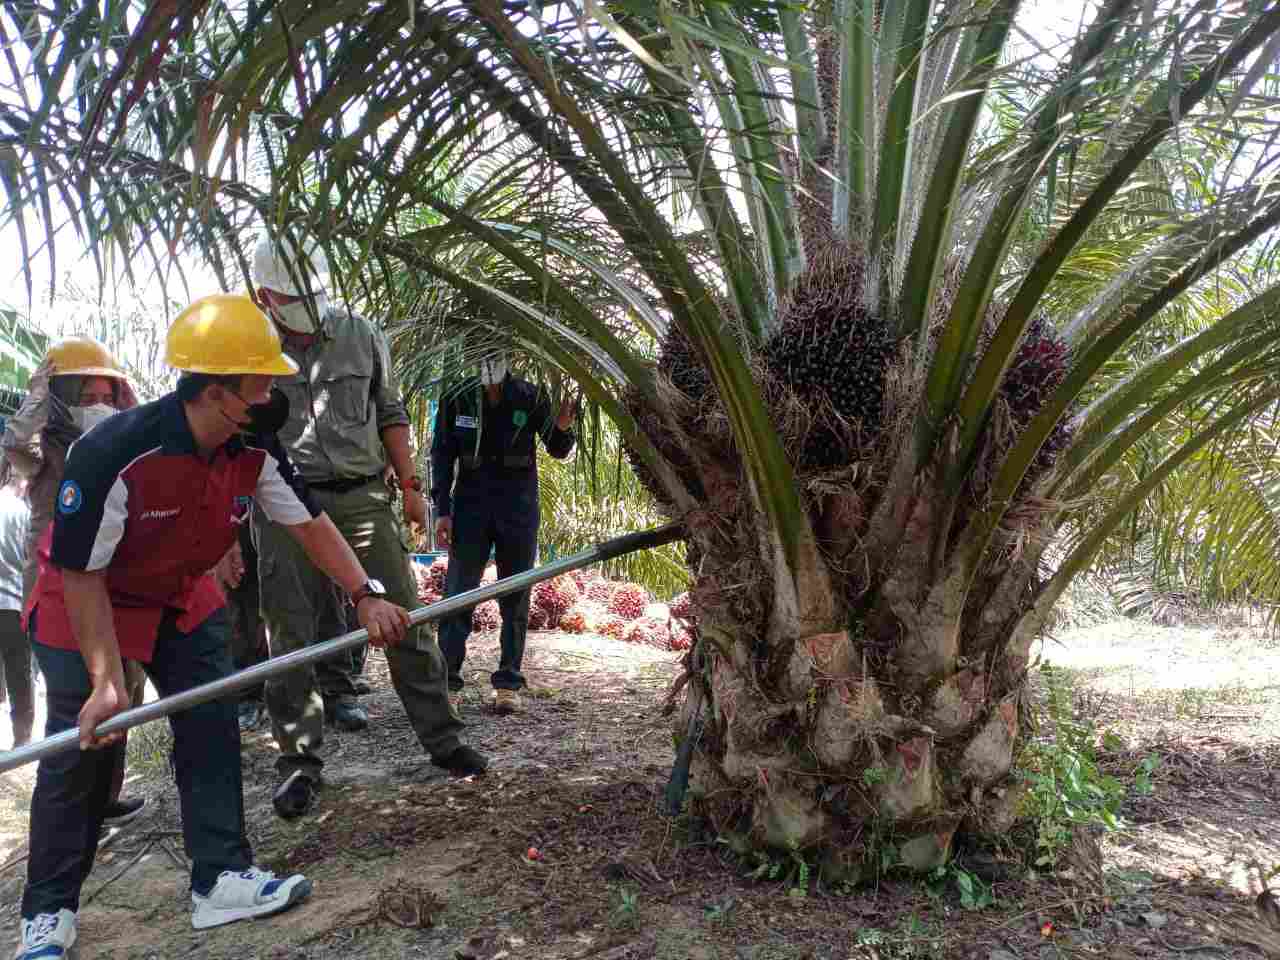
column 146, row 509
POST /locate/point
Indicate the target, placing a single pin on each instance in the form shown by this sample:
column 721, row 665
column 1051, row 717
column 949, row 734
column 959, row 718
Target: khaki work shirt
column 342, row 398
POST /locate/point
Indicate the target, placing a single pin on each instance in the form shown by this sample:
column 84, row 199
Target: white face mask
column 493, row 371
column 86, row 418
column 298, row 318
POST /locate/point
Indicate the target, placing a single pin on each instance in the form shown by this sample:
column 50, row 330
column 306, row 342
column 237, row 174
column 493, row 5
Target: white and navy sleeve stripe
column 92, row 509
column 281, row 491
column 111, row 529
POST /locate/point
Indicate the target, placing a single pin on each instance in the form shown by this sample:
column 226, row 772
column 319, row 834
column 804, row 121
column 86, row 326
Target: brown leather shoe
column 506, row 701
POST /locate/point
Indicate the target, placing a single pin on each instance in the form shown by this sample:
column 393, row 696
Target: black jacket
column 491, row 449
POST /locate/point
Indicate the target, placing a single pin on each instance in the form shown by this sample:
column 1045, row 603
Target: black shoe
column 363, row 687
column 346, row 715
column 123, row 810
column 295, row 796
column 464, row 761
column 250, row 714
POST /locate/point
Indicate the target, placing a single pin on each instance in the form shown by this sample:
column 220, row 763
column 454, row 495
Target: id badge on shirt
column 466, row 422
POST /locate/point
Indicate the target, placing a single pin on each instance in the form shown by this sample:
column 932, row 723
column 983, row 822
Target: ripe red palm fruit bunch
column 486, row 616
column 439, row 569
column 629, row 601
column 422, row 581
column 650, row 632
column 681, row 636
column 613, row 626
column 682, row 607
column 537, row 618
column 575, row 621
column 600, row 591
column 555, row 596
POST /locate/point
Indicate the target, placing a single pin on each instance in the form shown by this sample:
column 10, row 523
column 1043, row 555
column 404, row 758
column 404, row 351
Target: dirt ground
column 410, row 864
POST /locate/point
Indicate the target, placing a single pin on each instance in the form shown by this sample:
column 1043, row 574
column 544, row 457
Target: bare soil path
column 408, row 863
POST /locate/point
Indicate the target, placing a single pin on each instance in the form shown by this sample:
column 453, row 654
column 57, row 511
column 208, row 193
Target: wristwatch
column 371, row 588
column 413, row 483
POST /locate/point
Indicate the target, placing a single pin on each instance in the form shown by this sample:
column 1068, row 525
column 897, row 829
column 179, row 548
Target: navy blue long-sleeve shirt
column 491, row 448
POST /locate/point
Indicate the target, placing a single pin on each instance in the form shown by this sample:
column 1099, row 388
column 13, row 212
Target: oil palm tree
column 875, row 402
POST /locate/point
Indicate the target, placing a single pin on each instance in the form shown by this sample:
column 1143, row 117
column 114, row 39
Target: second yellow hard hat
column 83, row 356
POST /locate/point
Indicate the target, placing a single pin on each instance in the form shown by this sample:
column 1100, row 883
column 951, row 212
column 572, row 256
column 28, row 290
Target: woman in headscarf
column 78, row 385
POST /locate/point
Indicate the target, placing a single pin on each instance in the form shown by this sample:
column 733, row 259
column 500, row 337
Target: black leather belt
column 511, row 463
column 343, row 486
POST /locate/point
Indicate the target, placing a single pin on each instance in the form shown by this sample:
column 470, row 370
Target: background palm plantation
column 882, row 303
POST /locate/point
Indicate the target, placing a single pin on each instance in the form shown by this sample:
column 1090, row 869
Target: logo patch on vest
column 465, row 422
column 70, row 498
column 160, row 514
column 519, row 418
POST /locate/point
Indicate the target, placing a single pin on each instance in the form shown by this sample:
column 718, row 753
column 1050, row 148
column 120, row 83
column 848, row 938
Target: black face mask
column 270, row 417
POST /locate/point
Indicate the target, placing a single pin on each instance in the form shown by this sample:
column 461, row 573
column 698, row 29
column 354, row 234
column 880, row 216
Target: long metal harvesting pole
column 252, row 676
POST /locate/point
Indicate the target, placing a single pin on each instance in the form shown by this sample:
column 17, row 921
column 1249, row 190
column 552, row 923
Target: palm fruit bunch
column 556, row 597
column 537, row 618
column 682, row 607
column 650, row 632
column 681, row 636
column 832, row 353
column 1038, row 368
column 681, row 364
column 486, row 616
column 439, row 570
column 583, row 617
column 600, row 591
column 575, row 621
column 422, row 581
column 613, row 626
column 629, row 600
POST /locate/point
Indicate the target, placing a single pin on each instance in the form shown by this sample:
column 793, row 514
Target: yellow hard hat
column 83, row 356
column 226, row 333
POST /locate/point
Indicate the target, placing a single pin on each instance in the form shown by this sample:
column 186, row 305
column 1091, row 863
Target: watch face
column 376, row 588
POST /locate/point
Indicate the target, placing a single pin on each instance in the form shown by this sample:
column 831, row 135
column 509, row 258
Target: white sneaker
column 48, row 936
column 242, row 896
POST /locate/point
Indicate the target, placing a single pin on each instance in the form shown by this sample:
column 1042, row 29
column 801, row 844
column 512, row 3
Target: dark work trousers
column 15, row 649
column 512, row 534
column 248, row 634
column 71, row 788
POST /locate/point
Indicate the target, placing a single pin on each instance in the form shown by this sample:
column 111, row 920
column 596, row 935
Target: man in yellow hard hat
column 145, row 510
column 346, row 423
column 77, row 386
